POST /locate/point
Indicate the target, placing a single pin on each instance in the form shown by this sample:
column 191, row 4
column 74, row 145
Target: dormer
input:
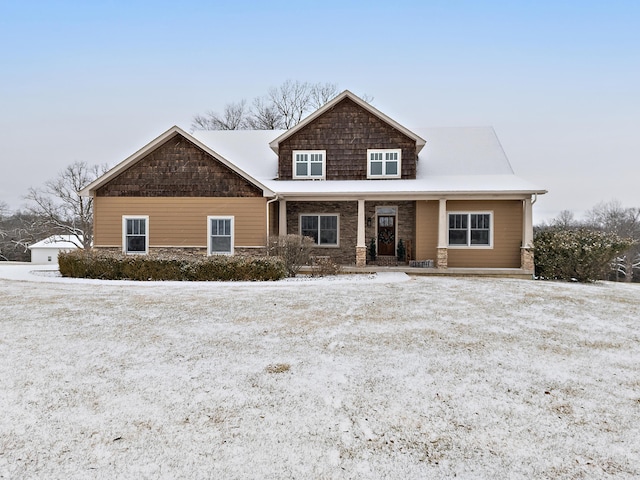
column 347, row 139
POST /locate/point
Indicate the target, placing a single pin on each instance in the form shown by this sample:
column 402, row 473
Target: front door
column 386, row 235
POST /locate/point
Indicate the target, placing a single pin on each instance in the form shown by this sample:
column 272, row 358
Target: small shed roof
column 57, row 242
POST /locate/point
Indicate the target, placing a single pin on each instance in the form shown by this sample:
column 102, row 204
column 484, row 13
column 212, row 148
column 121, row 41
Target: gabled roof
column 57, row 241
column 157, row 142
column 456, row 160
column 420, row 142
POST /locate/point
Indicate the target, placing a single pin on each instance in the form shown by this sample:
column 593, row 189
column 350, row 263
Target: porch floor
column 449, row 272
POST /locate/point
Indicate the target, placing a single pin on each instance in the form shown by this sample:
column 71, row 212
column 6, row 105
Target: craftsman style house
column 344, row 176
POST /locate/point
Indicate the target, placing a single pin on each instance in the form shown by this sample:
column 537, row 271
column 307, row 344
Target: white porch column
column 443, row 254
column 361, row 245
column 282, row 218
column 527, row 262
column 360, row 241
column 527, row 224
column 442, row 223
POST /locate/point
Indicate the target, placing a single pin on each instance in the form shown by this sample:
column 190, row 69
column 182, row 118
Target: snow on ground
column 369, row 377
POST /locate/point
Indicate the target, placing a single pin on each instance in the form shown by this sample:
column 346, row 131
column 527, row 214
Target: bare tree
column 264, row 116
column 60, row 210
column 322, row 93
column 284, row 106
column 17, row 232
column 234, row 117
column 565, row 220
column 4, row 209
column 292, row 100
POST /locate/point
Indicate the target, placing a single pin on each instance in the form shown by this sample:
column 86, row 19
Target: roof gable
column 171, row 134
column 420, row 142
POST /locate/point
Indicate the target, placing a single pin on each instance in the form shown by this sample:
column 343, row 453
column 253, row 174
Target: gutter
column 268, row 202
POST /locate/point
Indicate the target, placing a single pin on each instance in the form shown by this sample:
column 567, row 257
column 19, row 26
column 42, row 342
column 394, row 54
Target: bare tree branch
column 264, row 116
column 292, row 100
column 60, row 210
column 284, row 106
column 234, row 117
column 322, row 93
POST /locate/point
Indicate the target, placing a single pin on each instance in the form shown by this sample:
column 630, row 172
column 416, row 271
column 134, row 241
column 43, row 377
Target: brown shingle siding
column 178, row 168
column 346, row 132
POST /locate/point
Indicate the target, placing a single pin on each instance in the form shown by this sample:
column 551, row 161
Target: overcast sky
column 558, row 80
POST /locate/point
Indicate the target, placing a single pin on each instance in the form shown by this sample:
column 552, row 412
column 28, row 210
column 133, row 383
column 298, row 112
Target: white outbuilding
column 46, row 251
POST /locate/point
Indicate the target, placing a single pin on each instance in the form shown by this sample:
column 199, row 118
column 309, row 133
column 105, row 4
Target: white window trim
column 318, row 245
column 233, row 233
column 383, row 151
column 124, row 233
column 309, row 176
column 468, row 245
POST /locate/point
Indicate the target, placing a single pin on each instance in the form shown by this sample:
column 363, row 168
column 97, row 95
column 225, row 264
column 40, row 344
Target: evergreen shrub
column 580, row 254
column 117, row 266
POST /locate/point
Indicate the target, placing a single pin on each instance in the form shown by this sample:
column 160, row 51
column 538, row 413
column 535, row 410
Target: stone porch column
column 282, row 218
column 526, row 252
column 443, row 253
column 361, row 244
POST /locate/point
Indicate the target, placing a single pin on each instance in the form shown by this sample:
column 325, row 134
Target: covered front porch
column 355, row 225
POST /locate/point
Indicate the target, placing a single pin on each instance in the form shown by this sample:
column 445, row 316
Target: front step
column 386, row 261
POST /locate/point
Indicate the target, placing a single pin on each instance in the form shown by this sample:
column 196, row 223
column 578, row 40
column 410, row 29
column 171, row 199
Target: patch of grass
column 278, row 368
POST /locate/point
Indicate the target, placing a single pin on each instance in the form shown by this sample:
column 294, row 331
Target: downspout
column 268, row 202
column 534, row 199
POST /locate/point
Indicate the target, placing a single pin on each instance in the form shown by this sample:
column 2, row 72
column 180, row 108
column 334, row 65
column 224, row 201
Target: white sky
column 559, row 81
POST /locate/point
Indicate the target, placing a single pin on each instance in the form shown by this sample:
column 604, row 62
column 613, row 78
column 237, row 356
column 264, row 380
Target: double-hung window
column 309, row 164
column 384, row 163
column 470, row 229
column 220, row 234
column 135, row 234
column 322, row 228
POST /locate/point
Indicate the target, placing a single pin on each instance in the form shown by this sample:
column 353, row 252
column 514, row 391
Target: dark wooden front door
column 386, row 235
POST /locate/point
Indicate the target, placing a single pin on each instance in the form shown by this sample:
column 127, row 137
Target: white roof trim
column 57, row 242
column 420, row 142
column 169, row 134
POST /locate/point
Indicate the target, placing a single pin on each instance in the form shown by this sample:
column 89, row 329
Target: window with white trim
column 470, row 229
column 322, row 228
column 135, row 234
column 309, row 164
column 220, row 235
column 384, row 163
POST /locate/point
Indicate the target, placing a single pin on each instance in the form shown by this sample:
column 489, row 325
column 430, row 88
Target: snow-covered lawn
column 368, row 377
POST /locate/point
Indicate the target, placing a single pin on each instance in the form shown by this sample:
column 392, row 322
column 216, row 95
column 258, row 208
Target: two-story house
column 343, row 176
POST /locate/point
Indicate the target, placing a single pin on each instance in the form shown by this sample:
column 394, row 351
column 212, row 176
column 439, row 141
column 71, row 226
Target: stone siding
column 527, row 260
column 442, row 261
column 345, row 253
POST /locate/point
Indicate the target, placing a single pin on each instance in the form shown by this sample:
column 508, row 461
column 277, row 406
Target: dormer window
column 309, row 164
column 384, row 163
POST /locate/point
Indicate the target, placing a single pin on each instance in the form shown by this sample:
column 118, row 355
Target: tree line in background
column 55, row 209
column 605, row 245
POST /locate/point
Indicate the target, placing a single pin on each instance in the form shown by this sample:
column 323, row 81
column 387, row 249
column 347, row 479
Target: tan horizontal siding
column 426, row 230
column 507, row 233
column 180, row 221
